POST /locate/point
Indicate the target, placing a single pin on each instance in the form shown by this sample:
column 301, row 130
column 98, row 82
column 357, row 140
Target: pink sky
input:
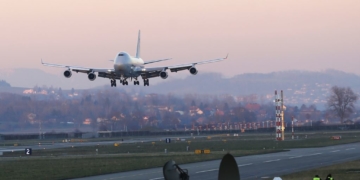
column 259, row 35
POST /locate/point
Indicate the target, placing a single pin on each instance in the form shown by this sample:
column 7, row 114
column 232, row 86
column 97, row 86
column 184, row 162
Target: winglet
column 226, row 56
column 42, row 61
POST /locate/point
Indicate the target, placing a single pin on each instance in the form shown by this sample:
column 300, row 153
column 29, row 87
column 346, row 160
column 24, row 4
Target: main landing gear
column 124, row 82
column 113, row 83
column 136, row 82
column 146, row 82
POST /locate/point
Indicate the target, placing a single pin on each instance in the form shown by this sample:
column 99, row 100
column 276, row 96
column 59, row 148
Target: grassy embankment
column 347, row 170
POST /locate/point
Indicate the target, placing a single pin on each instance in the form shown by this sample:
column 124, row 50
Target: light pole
column 39, row 129
column 292, row 127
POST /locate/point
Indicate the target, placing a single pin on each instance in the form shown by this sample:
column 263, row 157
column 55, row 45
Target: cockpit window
column 121, row 54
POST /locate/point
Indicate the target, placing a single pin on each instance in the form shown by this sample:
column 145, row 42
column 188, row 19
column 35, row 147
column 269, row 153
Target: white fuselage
column 124, row 65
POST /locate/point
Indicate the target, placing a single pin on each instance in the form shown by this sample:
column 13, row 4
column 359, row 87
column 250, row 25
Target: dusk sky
column 259, row 35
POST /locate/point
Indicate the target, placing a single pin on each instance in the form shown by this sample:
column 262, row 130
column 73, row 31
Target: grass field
column 64, row 168
column 347, row 171
column 84, row 161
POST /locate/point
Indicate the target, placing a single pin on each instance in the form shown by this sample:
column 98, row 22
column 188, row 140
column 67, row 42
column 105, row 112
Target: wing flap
column 179, row 68
column 147, row 75
column 152, row 69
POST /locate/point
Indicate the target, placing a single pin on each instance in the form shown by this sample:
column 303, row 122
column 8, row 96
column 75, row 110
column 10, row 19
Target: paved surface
column 70, row 144
column 254, row 167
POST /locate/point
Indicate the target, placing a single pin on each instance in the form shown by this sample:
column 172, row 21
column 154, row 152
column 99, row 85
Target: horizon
column 311, row 87
column 6, row 74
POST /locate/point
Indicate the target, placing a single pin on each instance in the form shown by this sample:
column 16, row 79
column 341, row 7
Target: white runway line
column 8, row 150
column 313, row 154
column 156, row 178
column 245, row 165
column 335, row 151
column 295, row 157
column 272, row 160
column 349, row 149
column 207, row 170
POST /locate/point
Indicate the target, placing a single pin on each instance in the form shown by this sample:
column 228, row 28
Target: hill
column 299, row 86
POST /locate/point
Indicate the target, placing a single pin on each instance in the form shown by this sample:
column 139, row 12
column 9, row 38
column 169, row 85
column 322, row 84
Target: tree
column 4, row 84
column 341, row 102
column 193, row 103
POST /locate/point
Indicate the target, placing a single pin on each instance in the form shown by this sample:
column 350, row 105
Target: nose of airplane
column 122, row 61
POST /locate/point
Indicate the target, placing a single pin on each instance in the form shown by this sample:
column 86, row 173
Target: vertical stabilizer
column 138, row 47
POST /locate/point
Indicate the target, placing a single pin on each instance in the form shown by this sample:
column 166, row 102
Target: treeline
column 111, row 109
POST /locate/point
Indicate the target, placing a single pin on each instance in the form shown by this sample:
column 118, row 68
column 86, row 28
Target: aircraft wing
column 80, row 69
column 181, row 67
column 153, row 61
column 154, row 71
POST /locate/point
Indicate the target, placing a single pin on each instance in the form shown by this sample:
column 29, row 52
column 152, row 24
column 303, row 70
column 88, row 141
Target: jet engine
column 193, row 71
column 91, row 76
column 67, row 74
column 163, row 74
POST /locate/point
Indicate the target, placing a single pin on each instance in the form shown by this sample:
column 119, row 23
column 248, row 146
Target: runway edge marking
column 272, row 160
column 207, row 170
column 245, row 165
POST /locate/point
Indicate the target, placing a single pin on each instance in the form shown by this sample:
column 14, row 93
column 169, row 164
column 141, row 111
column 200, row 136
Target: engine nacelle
column 92, row 76
column 67, row 74
column 163, row 74
column 193, row 71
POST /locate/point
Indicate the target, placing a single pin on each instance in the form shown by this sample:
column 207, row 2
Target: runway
column 256, row 166
column 77, row 144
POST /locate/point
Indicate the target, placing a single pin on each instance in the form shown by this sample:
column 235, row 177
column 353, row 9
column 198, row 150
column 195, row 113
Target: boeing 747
column 129, row 67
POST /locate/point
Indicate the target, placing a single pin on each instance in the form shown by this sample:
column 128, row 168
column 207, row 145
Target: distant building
column 252, row 107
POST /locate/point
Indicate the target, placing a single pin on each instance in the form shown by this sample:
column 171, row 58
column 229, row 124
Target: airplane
column 129, row 67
